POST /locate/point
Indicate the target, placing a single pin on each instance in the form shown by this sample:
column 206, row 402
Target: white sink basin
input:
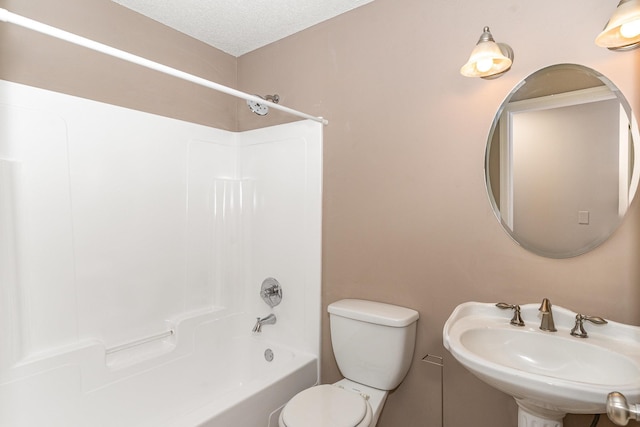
column 549, row 374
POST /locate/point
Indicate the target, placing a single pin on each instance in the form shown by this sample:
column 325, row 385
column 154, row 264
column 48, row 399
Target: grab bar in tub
column 140, row 341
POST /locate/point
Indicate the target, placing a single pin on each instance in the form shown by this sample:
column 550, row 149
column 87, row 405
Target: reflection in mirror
column 561, row 161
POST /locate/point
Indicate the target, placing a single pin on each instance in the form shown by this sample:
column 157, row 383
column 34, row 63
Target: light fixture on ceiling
column 622, row 32
column 488, row 59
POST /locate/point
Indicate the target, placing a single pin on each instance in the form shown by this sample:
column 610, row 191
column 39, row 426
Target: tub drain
column 268, row 355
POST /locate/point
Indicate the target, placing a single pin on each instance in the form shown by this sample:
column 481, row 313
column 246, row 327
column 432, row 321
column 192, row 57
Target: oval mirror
column 561, row 160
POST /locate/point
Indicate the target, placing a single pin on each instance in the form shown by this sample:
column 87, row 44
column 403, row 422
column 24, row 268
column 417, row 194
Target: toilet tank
column 372, row 342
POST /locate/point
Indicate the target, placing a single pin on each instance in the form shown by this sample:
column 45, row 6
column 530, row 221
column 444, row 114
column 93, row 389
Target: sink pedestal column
column 531, row 416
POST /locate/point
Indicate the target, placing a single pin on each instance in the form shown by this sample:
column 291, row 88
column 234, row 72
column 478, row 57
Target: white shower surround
column 119, row 225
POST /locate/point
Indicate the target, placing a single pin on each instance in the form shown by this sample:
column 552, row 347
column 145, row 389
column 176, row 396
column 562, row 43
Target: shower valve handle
column 271, row 292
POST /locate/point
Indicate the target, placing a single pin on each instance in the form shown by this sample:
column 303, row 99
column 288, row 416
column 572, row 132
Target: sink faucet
column 269, row 320
column 547, row 316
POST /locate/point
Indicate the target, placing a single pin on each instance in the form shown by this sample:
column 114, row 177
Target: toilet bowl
column 373, row 344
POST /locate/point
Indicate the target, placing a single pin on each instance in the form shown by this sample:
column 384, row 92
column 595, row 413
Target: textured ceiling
column 240, row 26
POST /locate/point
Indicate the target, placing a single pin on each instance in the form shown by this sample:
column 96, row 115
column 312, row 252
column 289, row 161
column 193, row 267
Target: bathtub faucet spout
column 269, row 320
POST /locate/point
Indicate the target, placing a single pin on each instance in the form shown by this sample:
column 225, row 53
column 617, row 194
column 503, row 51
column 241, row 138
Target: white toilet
column 373, row 344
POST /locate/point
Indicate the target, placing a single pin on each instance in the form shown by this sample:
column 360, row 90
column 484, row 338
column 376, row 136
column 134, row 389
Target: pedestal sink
column 549, row 374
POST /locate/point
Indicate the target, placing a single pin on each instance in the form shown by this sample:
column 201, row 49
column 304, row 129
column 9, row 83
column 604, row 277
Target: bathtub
column 209, row 370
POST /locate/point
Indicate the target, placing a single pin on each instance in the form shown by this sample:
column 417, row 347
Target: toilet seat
column 326, row 406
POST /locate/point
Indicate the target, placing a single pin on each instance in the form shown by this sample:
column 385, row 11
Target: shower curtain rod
column 21, row 21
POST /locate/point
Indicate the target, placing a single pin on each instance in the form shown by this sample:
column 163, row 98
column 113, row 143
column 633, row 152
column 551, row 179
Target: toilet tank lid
column 374, row 312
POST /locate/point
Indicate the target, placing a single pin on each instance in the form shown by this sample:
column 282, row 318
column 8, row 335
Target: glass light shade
column 623, row 29
column 487, row 59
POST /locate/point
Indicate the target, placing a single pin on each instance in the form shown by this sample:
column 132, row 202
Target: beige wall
column 40, row 61
column 406, row 216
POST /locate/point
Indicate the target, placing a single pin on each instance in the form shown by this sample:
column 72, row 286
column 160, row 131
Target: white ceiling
column 240, row 26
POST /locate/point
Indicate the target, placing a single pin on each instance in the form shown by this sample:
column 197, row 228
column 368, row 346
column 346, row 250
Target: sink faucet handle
column 578, row 328
column 594, row 319
column 516, row 320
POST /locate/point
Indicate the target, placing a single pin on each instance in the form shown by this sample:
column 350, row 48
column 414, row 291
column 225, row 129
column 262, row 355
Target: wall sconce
column 489, row 59
column 622, row 32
